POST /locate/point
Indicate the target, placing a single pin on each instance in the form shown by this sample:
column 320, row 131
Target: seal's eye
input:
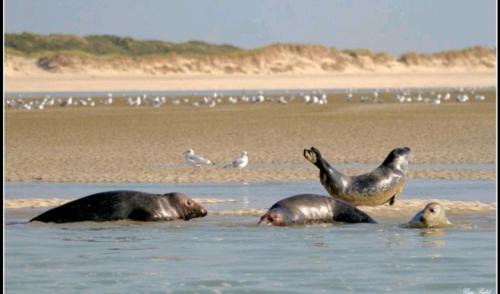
column 432, row 210
column 189, row 203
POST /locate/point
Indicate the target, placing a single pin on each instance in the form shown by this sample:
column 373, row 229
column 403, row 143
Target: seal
column 309, row 209
column 383, row 184
column 432, row 216
column 120, row 205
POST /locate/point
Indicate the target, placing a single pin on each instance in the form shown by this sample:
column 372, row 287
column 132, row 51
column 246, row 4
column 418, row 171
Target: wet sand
column 402, row 208
column 118, row 143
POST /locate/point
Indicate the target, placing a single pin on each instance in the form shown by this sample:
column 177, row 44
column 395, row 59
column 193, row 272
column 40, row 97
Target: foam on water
column 401, row 208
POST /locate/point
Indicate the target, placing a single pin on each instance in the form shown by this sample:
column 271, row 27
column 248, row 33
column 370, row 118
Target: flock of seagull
column 48, row 101
column 198, row 160
column 430, row 97
column 217, row 98
column 316, row 97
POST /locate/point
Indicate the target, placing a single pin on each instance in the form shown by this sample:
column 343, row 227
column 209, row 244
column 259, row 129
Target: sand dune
column 274, row 59
column 272, row 67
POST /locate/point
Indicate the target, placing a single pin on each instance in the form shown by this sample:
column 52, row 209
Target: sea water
column 229, row 253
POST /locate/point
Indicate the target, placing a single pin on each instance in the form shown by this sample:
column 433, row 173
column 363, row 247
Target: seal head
column 398, row 159
column 185, row 207
column 432, row 216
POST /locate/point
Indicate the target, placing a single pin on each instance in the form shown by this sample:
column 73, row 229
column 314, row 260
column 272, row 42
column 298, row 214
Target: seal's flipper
column 310, row 156
column 345, row 212
column 316, row 151
column 315, row 157
column 141, row 214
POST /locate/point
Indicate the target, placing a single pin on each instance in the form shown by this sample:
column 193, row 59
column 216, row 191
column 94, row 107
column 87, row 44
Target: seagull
column 50, row 101
column 156, row 102
column 239, row 162
column 307, row 99
column 134, row 102
column 109, row 100
column 68, row 102
column 323, row 99
column 232, row 100
column 282, row 100
column 82, row 102
column 10, row 103
column 195, row 160
column 462, row 98
column 39, row 105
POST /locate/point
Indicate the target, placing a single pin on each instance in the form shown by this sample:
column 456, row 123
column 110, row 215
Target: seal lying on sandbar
column 308, row 209
column 119, row 205
column 383, row 184
column 432, row 216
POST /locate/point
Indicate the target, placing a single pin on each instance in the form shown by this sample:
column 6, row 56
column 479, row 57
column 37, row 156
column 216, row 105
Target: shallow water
column 234, row 92
column 341, row 166
column 221, row 253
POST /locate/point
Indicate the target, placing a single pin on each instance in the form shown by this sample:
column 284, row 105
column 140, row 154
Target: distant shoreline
column 192, row 82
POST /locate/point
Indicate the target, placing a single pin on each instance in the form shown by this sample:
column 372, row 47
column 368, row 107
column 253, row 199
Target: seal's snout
column 263, row 220
column 204, row 212
column 407, row 152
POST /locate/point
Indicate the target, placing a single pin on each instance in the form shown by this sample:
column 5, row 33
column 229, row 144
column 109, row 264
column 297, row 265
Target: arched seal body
column 119, row 205
column 383, row 184
column 432, row 216
column 308, row 209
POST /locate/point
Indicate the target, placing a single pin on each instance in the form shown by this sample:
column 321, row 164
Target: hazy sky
column 395, row 26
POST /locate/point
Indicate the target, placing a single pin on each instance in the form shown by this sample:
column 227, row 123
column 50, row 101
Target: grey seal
column 432, row 216
column 120, row 205
column 309, row 208
column 383, row 184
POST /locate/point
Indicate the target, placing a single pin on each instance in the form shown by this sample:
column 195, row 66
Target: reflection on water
column 432, row 238
column 227, row 252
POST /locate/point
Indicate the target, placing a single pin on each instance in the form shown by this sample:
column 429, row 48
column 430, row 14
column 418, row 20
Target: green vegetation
column 33, row 44
column 358, row 52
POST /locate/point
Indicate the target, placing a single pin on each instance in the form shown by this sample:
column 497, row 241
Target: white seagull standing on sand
column 195, row 160
column 239, row 162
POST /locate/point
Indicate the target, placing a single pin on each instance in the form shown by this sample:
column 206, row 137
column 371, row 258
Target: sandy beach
column 118, row 143
column 37, row 81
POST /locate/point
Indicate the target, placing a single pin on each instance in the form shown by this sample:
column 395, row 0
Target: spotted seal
column 119, row 205
column 383, row 184
column 309, row 208
column 432, row 216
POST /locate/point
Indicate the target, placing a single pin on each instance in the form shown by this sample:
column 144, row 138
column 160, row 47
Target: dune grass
column 55, row 50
